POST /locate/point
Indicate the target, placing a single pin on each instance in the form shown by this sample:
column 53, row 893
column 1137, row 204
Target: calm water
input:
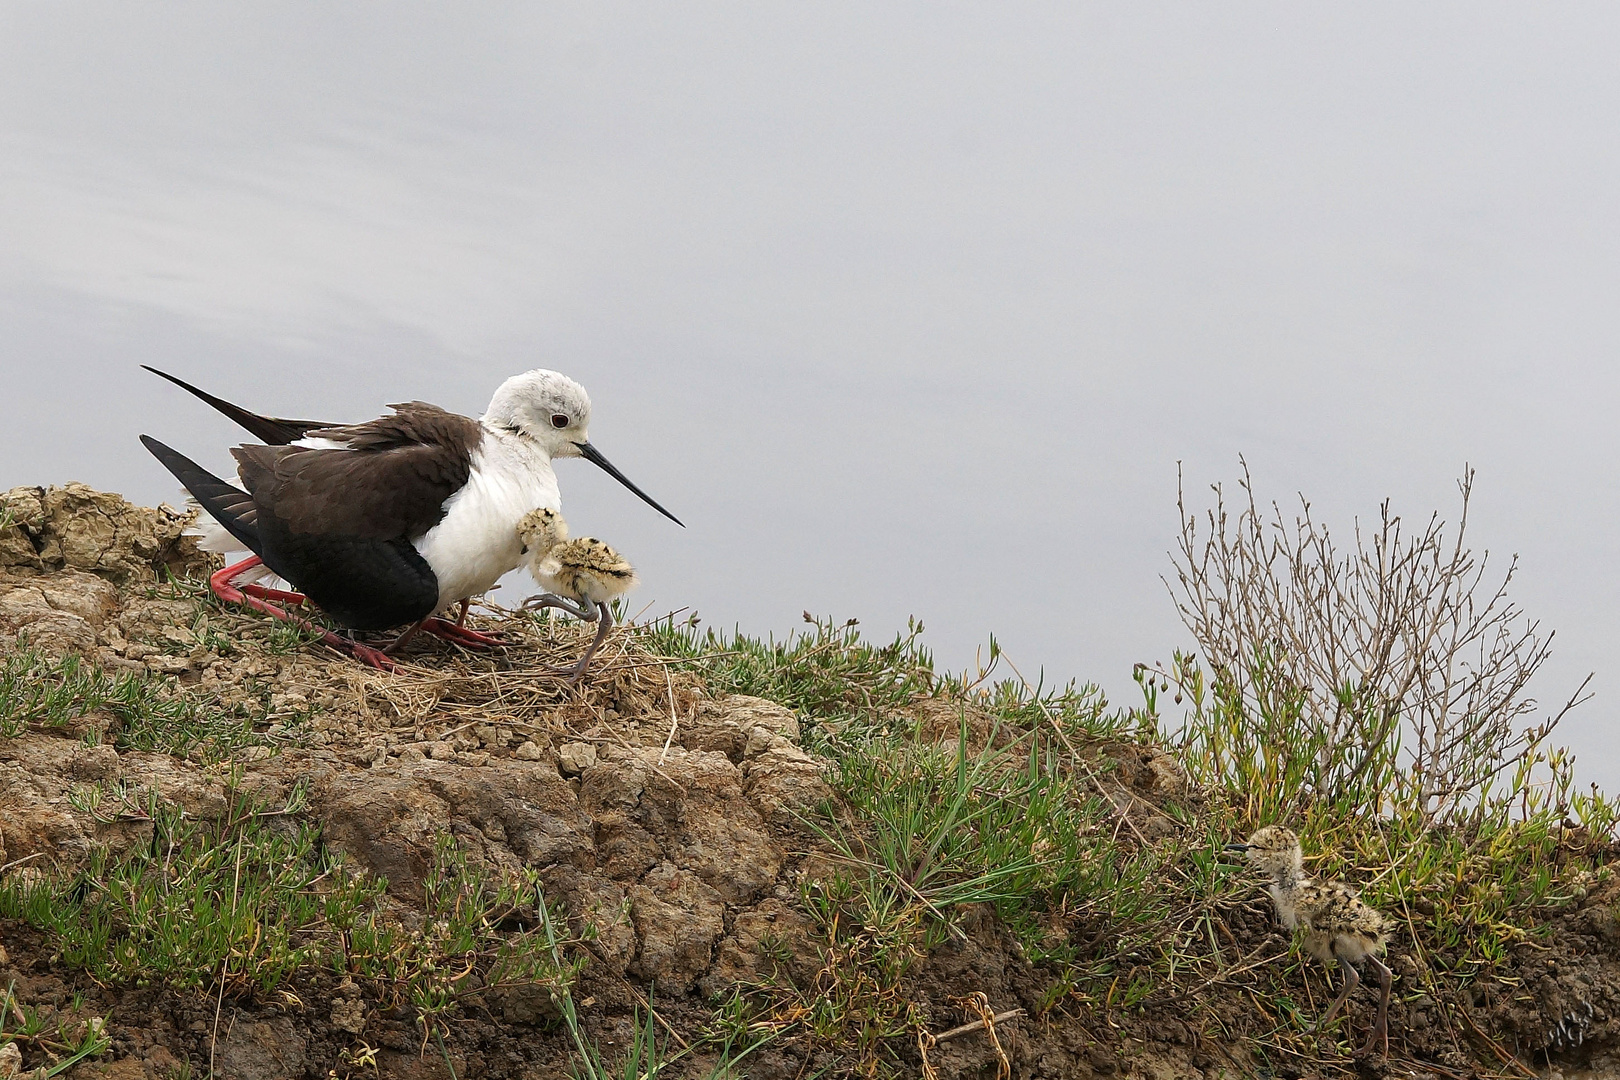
column 904, row 311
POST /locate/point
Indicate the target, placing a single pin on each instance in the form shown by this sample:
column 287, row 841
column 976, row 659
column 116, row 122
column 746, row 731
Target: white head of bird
column 545, row 406
column 1275, row 851
column 554, row 411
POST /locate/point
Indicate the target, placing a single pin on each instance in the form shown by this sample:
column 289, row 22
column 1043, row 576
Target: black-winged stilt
column 389, row 522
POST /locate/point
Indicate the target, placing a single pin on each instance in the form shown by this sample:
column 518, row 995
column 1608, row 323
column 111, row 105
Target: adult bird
column 390, row 522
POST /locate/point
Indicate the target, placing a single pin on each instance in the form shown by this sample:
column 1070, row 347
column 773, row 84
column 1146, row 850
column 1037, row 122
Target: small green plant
column 244, row 902
column 827, row 673
column 644, row 1059
column 964, row 827
column 481, row 933
column 151, row 713
column 56, row 1035
column 1392, row 672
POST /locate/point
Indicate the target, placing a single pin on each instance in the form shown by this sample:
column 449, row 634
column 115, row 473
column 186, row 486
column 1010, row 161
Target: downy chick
column 1338, row 925
column 581, row 576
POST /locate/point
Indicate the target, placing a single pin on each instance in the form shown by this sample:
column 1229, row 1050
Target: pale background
column 903, row 308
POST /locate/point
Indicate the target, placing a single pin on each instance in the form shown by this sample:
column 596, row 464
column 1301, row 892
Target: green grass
column 849, row 690
column 58, row 1036
column 247, row 904
column 1012, row 815
column 152, row 712
column 1115, row 920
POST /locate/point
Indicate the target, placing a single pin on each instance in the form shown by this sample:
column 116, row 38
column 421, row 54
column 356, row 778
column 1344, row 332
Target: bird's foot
column 574, row 672
column 365, row 654
column 1374, row 1037
column 457, row 634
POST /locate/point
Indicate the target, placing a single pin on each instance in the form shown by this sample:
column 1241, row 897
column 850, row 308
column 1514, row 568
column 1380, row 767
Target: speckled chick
column 579, row 576
column 586, row 570
column 1337, row 924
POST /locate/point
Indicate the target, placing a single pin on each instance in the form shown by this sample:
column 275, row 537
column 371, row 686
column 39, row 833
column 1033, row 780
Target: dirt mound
column 669, row 823
column 64, row 551
column 75, row 527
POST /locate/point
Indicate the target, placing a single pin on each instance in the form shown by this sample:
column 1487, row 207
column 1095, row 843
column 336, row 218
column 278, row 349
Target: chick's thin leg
column 1351, row 980
column 1380, row 1028
column 604, row 623
column 599, row 614
column 545, row 600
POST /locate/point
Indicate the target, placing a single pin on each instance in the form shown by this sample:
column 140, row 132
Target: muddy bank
column 673, row 825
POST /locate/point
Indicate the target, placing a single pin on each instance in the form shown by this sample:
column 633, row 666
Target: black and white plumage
column 581, row 576
column 1338, row 925
column 385, row 523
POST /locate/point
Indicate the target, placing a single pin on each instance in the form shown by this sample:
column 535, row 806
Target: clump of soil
column 669, row 820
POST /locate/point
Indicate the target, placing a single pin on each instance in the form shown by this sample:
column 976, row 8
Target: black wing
column 230, row 506
column 269, row 429
column 366, row 583
column 390, row 484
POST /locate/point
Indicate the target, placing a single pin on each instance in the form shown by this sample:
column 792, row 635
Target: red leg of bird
column 223, row 585
column 226, row 580
column 458, row 633
column 297, row 599
column 405, row 638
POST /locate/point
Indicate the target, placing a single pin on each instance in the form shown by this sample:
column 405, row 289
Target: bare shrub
column 1394, row 670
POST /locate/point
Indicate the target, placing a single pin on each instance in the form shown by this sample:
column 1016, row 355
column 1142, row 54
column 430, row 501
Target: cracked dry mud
column 685, row 852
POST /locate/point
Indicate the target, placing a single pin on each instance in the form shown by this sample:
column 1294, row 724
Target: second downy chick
column 1339, row 926
column 580, row 576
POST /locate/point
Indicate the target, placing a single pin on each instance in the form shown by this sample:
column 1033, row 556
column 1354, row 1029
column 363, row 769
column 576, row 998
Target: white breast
column 477, row 541
column 1287, row 912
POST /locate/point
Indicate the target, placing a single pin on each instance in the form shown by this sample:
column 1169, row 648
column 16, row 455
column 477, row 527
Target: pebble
column 349, row 1015
column 530, row 751
column 575, row 757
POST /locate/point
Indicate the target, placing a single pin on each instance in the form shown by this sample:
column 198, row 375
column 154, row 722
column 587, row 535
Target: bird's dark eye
column 559, row 420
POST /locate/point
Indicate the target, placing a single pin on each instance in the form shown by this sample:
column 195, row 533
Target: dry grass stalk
column 1401, row 641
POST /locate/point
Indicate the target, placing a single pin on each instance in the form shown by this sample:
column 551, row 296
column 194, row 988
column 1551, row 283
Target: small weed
column 962, row 828
column 57, row 1036
column 44, row 692
column 828, row 673
column 51, row 692
column 246, row 902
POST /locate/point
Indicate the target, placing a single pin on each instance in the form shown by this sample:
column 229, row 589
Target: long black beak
column 594, row 456
column 1237, row 847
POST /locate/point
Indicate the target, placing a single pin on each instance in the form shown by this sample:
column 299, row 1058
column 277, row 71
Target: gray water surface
column 905, row 309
